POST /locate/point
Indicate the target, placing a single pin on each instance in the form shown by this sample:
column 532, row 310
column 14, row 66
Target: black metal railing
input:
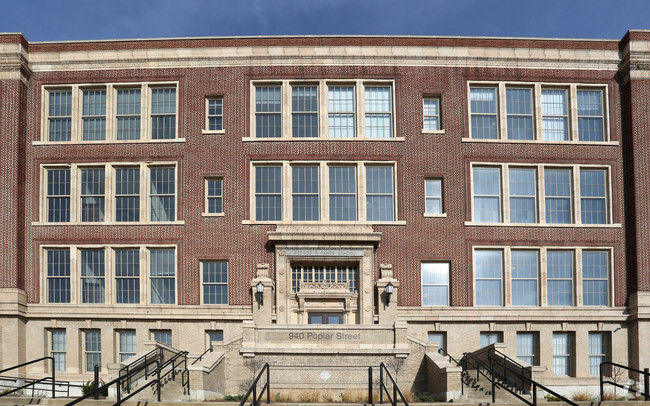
column 134, row 368
column 178, row 359
column 464, row 376
column 34, row 381
column 384, row 388
column 645, row 373
column 518, row 373
column 253, row 389
column 202, row 355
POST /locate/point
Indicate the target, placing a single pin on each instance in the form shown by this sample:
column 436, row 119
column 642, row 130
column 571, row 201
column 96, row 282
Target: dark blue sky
column 57, row 20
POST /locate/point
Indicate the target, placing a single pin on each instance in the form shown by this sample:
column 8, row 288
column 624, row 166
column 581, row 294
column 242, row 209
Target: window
column 127, row 194
column 93, row 350
column 379, row 193
column 524, row 265
column 433, row 196
column 562, row 354
column 522, row 195
column 559, row 277
column 214, row 114
column 590, row 115
column 435, row 283
column 344, row 109
column 60, row 115
column 92, row 195
column 128, row 114
column 58, row 195
column 127, row 345
column 592, row 196
column 214, row 196
column 595, row 268
column 163, row 337
column 598, row 345
column 431, row 113
column 304, row 111
column 58, row 346
column 305, row 187
column 90, row 199
column 58, row 275
column 488, row 269
column 87, row 281
column 483, row 110
column 554, row 193
column 337, row 198
column 268, row 111
column 537, row 112
column 519, row 107
column 163, row 193
column 339, row 274
column 487, row 195
column 343, row 193
column 341, row 111
column 215, row 282
column 94, row 115
column 268, row 193
column 489, row 338
column 526, row 344
column 92, row 276
column 438, row 337
column 163, row 275
column 214, row 337
column 110, row 112
column 127, row 275
column 526, row 276
column 558, row 195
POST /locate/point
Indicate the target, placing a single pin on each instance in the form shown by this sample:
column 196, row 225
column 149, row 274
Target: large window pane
column 268, row 108
column 92, row 276
column 127, row 194
column 60, row 115
column 435, row 283
column 433, row 196
column 526, row 347
column 58, row 195
column 431, row 112
column 593, row 197
column 163, row 113
column 215, row 282
column 92, row 194
column 127, row 345
column 305, row 187
column 341, row 111
column 59, row 350
column 590, row 115
column 343, row 189
column 488, row 270
column 487, row 195
column 595, row 266
column 558, row 195
column 163, row 276
column 555, row 120
column 597, row 352
column 268, row 193
column 561, row 354
column 304, row 111
column 522, row 196
column 163, row 194
column 524, row 277
column 58, row 275
column 483, row 109
column 94, row 115
column 559, row 278
column 127, row 276
column 379, row 193
column 128, row 114
column 519, row 106
column 378, row 112
column 93, row 350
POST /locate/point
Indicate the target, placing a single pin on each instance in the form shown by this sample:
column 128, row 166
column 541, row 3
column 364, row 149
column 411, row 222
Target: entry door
column 325, row 318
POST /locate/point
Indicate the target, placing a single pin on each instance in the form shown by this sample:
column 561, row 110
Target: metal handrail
column 505, row 358
column 383, row 387
column 172, row 361
column 139, row 364
column 35, row 382
column 266, row 388
column 645, row 373
column 202, row 355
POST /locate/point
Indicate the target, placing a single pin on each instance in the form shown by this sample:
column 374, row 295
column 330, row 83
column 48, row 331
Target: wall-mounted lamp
column 260, row 292
column 389, row 291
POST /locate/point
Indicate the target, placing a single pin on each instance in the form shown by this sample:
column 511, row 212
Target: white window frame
column 442, row 213
column 542, row 276
column 324, row 191
column 63, row 352
column 206, row 203
column 604, row 355
column 90, row 368
column 110, row 285
column 569, row 356
column 576, row 214
column 76, row 132
column 535, row 345
column 323, row 85
column 109, row 192
column 572, row 106
column 227, row 283
column 206, row 129
column 153, row 333
column 422, row 284
column 440, row 129
column 118, row 342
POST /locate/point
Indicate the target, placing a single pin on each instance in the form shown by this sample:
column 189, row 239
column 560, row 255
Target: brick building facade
column 148, row 186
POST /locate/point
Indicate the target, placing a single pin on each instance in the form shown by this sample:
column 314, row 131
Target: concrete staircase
column 479, row 390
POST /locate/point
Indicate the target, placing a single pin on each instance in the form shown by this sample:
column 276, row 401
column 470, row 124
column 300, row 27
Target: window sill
column 312, row 139
column 507, row 141
column 213, row 214
column 441, row 215
column 103, row 142
column 318, row 223
column 613, row 225
column 113, row 223
column 213, row 132
column 434, row 132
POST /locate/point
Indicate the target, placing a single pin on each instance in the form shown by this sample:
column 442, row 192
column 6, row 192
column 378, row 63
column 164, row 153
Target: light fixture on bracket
column 260, row 292
column 389, row 291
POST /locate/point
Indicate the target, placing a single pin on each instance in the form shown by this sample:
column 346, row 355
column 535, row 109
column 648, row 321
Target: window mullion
column 537, row 106
column 507, row 277
column 144, row 193
column 505, row 192
column 361, row 192
column 324, row 191
column 502, row 112
column 145, row 109
column 75, row 193
column 75, row 275
column 360, row 106
column 286, row 177
column 543, row 277
column 573, row 113
column 575, row 195
column 75, row 125
column 578, row 277
column 541, row 192
column 110, row 113
column 323, row 100
column 286, row 109
column 109, row 194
